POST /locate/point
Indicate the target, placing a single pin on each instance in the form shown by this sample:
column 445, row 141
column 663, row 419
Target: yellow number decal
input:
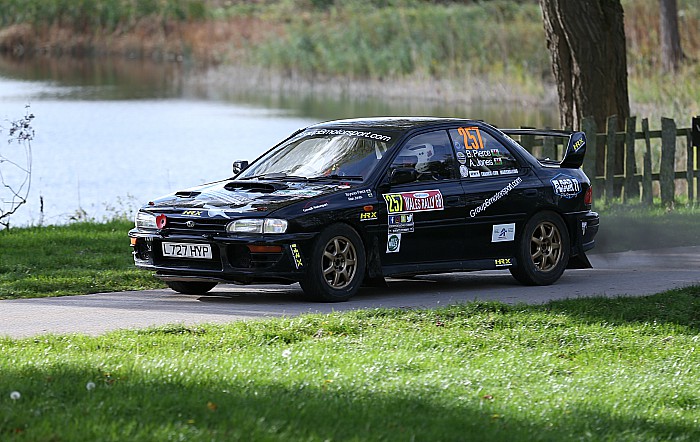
column 472, row 137
column 394, row 202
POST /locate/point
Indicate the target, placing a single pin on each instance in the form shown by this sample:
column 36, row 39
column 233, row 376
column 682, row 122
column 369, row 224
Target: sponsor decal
column 474, row 174
column 489, row 173
column 472, row 137
column 402, row 223
column 349, row 133
column 566, row 186
column 419, row 201
column 584, row 225
column 461, row 158
column 359, row 194
column 502, row 262
column 393, row 243
column 314, row 205
column 464, row 172
column 192, row 213
column 503, row 232
column 296, row 256
column 368, row 216
column 509, row 171
column 578, row 144
column 500, row 194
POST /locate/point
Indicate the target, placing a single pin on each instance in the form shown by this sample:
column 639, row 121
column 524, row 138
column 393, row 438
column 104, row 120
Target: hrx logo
column 503, row 262
column 368, row 216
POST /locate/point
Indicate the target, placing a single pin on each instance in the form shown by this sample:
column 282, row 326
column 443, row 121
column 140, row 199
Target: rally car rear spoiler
column 575, row 148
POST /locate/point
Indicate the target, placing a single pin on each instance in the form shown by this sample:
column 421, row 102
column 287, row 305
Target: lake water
column 113, row 135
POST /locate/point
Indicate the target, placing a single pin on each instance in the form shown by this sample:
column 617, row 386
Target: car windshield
column 322, row 153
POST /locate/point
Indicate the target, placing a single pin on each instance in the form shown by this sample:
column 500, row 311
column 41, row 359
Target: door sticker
column 419, row 201
column 393, row 243
column 503, row 232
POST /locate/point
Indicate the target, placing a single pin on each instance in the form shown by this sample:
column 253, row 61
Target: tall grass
column 354, row 40
column 97, row 15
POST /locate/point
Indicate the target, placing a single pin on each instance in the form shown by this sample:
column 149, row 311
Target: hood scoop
column 186, row 194
column 255, row 186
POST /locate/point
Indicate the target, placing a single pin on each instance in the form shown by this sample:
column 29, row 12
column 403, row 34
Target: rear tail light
column 588, row 198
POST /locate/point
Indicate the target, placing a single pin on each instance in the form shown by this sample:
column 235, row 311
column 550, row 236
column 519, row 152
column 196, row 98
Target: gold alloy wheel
column 339, row 262
column 545, row 246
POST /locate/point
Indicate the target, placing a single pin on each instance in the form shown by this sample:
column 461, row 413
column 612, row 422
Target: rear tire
column 543, row 250
column 191, row 287
column 337, row 265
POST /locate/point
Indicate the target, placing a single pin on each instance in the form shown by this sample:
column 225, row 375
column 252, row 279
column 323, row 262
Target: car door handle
column 453, row 199
column 530, row 192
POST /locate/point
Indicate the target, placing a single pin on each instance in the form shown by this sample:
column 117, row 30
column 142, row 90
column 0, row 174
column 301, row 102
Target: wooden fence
column 635, row 182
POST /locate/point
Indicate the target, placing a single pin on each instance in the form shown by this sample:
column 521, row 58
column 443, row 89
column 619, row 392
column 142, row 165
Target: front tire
column 337, row 265
column 543, row 250
column 191, row 287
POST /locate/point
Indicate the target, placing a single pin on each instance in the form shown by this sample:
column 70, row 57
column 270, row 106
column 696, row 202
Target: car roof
column 392, row 123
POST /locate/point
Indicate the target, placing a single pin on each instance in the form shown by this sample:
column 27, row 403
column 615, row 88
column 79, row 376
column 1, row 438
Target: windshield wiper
column 276, row 176
column 338, row 178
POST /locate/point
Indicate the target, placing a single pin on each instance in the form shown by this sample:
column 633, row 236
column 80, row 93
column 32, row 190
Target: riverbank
column 410, row 50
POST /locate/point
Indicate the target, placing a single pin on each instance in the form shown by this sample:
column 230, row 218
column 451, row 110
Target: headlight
column 145, row 221
column 257, row 225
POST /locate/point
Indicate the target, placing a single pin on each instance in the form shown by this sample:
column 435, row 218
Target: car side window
column 431, row 156
column 481, row 155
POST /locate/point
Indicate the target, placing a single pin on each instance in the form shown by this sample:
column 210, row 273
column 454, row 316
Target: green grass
column 623, row 369
column 74, row 259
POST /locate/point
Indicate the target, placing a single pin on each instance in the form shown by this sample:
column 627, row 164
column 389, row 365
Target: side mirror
column 402, row 175
column 239, row 166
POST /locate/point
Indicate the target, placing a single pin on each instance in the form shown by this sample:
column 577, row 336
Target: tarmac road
column 629, row 273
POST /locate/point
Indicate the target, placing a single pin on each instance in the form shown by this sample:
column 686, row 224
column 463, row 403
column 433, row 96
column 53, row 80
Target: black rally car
column 348, row 202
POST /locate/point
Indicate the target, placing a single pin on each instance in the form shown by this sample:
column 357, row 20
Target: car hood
column 237, row 197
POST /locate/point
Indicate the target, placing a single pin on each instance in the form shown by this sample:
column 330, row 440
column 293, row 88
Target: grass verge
column 74, row 259
column 623, row 369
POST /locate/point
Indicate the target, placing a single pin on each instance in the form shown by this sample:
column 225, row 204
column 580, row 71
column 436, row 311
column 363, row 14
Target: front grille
column 201, row 225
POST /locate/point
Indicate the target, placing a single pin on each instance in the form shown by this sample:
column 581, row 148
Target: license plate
column 187, row 250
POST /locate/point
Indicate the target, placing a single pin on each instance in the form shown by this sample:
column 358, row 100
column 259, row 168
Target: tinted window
column 431, row 155
column 481, row 155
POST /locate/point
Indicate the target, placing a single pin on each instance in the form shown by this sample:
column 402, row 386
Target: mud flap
column 580, row 261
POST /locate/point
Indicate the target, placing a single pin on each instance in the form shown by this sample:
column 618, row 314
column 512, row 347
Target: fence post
column 610, row 159
column 589, row 127
column 695, row 131
column 668, row 156
column 631, row 184
column 549, row 148
column 528, row 141
column 647, row 196
column 689, row 172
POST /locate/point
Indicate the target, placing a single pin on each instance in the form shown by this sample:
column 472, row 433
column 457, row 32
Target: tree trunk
column 586, row 41
column 671, row 52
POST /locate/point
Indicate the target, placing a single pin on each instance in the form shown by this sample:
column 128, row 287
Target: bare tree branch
column 16, row 167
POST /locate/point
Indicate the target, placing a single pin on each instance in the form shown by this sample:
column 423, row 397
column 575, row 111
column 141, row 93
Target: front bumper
column 243, row 259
